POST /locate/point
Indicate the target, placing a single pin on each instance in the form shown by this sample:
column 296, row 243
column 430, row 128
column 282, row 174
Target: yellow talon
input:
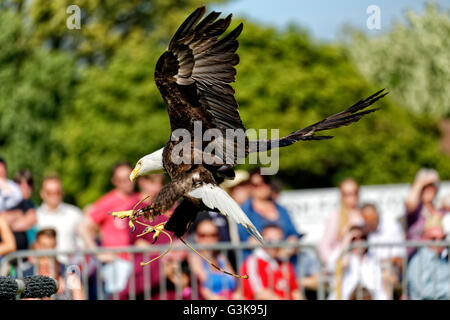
column 158, row 229
column 123, row 214
column 131, row 214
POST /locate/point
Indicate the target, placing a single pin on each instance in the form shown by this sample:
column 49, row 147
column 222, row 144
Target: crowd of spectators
column 284, row 272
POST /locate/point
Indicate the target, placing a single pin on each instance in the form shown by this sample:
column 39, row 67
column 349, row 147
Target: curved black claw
column 154, row 240
column 134, row 229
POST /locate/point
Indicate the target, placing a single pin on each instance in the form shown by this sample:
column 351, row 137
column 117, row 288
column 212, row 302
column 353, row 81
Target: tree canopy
column 35, row 91
column 412, row 59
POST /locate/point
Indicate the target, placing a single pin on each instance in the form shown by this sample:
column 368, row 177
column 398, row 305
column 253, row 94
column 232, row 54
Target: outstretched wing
column 215, row 197
column 343, row 118
column 195, row 73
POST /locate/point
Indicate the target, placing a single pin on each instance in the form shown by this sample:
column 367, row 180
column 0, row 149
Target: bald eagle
column 194, row 76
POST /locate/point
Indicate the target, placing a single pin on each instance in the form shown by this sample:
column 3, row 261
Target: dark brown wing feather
column 343, row 118
column 209, row 63
column 194, row 77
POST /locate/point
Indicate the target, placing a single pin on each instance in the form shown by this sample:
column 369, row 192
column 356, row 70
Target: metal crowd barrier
column 86, row 266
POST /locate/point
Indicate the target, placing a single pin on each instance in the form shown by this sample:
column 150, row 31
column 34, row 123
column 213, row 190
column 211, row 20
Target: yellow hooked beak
column 135, row 173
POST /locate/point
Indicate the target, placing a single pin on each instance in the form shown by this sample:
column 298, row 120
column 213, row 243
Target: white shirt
column 387, row 232
column 10, row 196
column 64, row 220
column 365, row 271
column 446, row 224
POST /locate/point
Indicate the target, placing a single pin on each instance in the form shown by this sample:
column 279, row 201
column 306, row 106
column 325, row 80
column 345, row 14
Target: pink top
column 114, row 232
column 330, row 238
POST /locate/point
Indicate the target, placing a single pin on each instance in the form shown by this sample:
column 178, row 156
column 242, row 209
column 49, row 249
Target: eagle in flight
column 194, row 76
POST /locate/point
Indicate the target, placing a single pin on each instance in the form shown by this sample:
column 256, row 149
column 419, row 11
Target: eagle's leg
column 163, row 202
column 182, row 217
column 166, row 198
column 179, row 222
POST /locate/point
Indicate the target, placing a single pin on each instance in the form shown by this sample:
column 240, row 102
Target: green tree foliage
column 118, row 114
column 110, row 31
column 114, row 111
column 104, row 24
column 412, row 59
column 35, row 88
column 287, row 81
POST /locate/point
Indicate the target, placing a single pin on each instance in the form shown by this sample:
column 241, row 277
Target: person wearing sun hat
column 428, row 271
column 238, row 188
column 420, row 203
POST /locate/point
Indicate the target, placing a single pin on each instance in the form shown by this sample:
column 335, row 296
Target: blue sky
column 323, row 18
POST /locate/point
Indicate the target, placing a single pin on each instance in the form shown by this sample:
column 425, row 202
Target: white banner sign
column 309, row 208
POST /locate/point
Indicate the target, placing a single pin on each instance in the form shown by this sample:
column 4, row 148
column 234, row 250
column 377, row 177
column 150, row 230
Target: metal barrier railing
column 91, row 270
column 93, row 279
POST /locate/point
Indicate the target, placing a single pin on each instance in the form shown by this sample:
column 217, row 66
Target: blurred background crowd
column 77, row 102
column 275, row 272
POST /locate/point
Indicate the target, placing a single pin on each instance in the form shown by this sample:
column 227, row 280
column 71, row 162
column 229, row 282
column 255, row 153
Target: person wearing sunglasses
column 428, row 271
column 116, row 268
column 262, row 209
column 55, row 214
column 215, row 285
column 355, row 268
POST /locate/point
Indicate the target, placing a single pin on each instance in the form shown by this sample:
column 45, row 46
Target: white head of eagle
column 151, row 163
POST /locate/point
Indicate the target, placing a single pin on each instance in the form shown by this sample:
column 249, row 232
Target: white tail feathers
column 215, row 197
